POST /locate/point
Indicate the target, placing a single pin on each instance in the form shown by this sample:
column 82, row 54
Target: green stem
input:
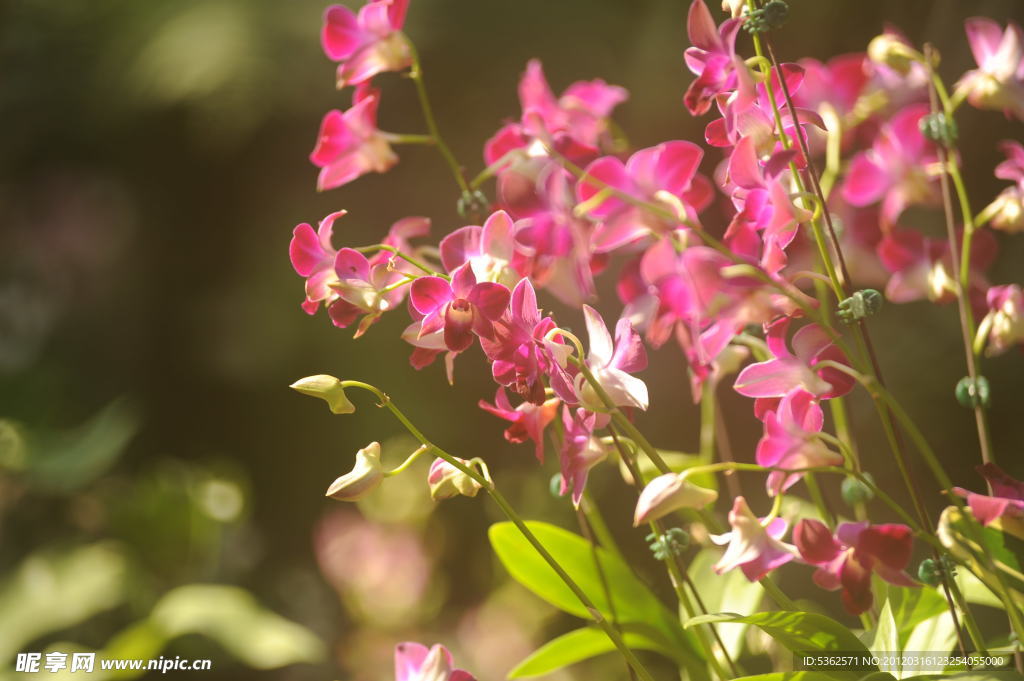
column 520, row 524
column 402, row 138
column 416, row 74
column 423, row 267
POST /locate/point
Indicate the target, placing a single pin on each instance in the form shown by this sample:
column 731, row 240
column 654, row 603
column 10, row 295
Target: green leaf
column 887, row 635
column 911, row 606
column 731, row 592
column 878, row 676
column 63, row 461
column 986, row 548
column 797, row 631
column 53, row 591
column 233, row 618
column 633, row 601
column 933, row 634
column 576, row 646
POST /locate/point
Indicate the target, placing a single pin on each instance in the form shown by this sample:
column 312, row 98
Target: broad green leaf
column 797, row 631
column 887, row 636
column 633, row 602
column 999, row 546
column 233, row 618
column 63, row 461
column 911, row 606
column 731, row 592
column 576, row 646
column 933, row 634
column 975, row 591
column 52, row 591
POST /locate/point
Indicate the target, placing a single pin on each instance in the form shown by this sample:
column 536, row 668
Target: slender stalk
column 510, row 512
column 676, row 574
column 961, row 267
column 418, row 264
column 416, row 74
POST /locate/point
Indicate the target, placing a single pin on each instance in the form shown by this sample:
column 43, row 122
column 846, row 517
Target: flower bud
column 891, row 50
column 447, row 481
column 669, row 492
column 328, row 389
column 364, row 477
column 856, row 492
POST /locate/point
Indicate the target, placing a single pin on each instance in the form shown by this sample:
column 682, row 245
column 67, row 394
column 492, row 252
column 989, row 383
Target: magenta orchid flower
column 711, row 58
column 574, row 124
column 581, row 449
column 790, row 440
column 998, row 82
column 366, row 43
column 1003, row 325
column 312, row 256
column 416, row 662
column 753, row 547
column 461, row 307
column 611, row 365
column 489, row 250
column 1007, row 498
column 350, row 145
column 795, row 369
column 847, row 560
column 895, row 170
column 521, row 353
column 528, row 420
column 665, row 174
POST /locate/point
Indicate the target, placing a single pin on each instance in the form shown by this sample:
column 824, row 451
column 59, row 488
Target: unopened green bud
column 855, row 491
column 328, row 389
column 971, row 393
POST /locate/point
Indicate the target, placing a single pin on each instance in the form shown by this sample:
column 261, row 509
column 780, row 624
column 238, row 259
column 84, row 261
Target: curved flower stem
column 486, row 483
column 416, row 74
column 402, row 138
column 423, row 449
column 373, row 248
column 677, row 573
column 961, row 265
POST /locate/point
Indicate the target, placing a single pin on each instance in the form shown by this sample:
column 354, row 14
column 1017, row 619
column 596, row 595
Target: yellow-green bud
column 365, row 476
column 328, row 389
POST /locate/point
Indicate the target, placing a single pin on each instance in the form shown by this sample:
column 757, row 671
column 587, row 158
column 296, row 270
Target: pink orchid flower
column 489, row 250
column 1008, row 209
column 416, row 662
column 522, row 355
column 791, row 370
column 461, row 307
column 1003, row 325
column 754, row 548
column 664, row 174
column 366, row 43
column 998, row 82
column 922, row 268
column 895, row 168
column 767, row 220
column 312, row 256
column 611, row 365
column 350, row 145
column 581, row 449
column 1007, row 498
column 528, row 420
column 790, row 440
column 574, row 124
column 847, row 560
column 711, row 57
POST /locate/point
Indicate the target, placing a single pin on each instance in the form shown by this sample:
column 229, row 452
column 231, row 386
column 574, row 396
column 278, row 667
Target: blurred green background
column 152, row 166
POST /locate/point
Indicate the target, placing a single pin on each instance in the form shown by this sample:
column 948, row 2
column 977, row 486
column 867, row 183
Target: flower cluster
column 571, row 198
